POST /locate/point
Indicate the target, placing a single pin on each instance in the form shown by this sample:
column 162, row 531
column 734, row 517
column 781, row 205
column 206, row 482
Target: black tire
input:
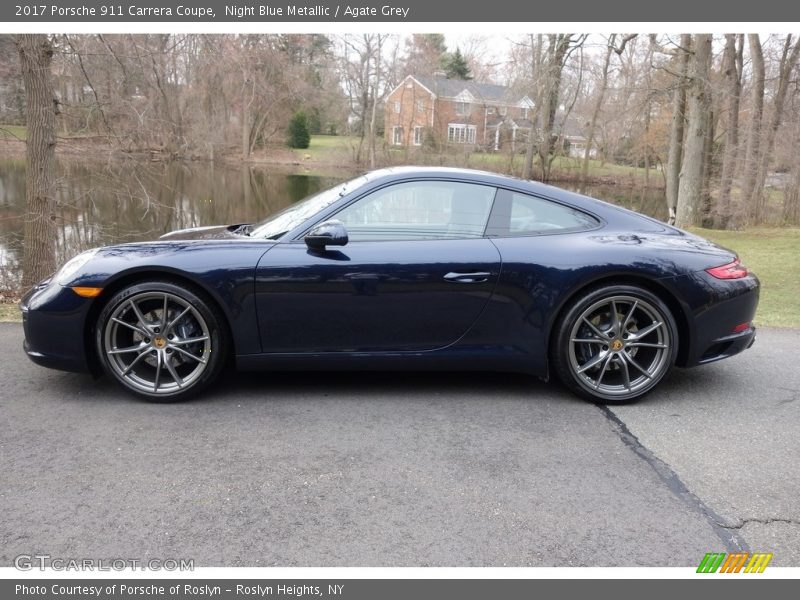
column 614, row 361
column 162, row 333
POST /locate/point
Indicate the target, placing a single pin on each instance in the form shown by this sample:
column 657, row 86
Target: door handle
column 477, row 277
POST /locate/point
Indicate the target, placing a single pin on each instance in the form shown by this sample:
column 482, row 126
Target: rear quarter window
column 516, row 214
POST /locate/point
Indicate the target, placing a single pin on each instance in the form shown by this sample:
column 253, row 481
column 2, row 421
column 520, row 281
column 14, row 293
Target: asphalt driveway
column 404, row 469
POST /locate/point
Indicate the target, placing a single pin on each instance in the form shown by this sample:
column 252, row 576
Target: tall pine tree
column 455, row 66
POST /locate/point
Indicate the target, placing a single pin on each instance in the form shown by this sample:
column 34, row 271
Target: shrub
column 299, row 136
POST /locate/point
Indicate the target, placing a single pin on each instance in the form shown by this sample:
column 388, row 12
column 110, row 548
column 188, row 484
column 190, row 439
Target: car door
column 414, row 276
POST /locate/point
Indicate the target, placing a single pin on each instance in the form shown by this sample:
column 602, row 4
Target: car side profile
column 403, row 268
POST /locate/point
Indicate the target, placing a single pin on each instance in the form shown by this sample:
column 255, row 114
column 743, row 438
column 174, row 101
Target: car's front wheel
column 614, row 344
column 161, row 341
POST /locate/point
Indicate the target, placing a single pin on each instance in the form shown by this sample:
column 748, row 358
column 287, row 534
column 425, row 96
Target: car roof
column 402, row 172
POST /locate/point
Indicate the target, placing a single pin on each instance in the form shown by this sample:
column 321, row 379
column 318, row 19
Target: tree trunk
column 39, row 259
column 753, row 154
column 787, row 64
column 559, row 44
column 246, row 118
column 598, row 105
column 698, row 106
column 373, row 114
column 791, row 195
column 706, row 210
column 732, row 74
column 675, row 155
column 536, row 60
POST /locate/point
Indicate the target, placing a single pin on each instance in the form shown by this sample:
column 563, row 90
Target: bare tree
column 536, row 72
column 599, row 99
column 753, row 153
column 557, row 49
column 39, row 261
column 676, row 132
column 732, row 65
column 424, row 53
column 791, row 200
column 547, row 70
column 787, row 64
column 698, row 122
column 364, row 80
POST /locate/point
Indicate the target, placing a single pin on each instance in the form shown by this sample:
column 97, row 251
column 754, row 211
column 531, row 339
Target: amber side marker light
column 734, row 270
column 87, row 292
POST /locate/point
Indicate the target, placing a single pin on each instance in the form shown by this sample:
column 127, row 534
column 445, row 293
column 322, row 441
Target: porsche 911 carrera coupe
column 403, row 269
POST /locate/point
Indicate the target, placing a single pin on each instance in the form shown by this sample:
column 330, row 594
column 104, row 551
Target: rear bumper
column 728, row 346
column 716, row 309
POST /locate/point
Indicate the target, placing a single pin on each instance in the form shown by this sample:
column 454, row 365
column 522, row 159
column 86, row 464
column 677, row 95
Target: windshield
column 284, row 221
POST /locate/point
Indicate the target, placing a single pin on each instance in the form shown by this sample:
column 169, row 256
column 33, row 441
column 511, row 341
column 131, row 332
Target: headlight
column 65, row 274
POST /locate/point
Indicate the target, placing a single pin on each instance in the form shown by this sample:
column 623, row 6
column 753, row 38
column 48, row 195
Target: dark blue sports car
column 405, row 268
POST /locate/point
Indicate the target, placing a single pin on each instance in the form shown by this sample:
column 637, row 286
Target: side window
column 522, row 214
column 420, row 210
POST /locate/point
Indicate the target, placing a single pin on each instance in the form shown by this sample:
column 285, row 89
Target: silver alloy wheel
column 619, row 346
column 157, row 343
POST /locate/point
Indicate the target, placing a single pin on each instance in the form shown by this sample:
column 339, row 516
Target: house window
column 525, row 113
column 397, row 106
column 418, row 136
column 397, row 136
column 463, row 109
column 503, row 111
column 420, row 106
column 461, row 134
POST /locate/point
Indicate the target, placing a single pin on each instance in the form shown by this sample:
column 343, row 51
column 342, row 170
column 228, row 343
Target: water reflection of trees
column 101, row 203
column 126, row 201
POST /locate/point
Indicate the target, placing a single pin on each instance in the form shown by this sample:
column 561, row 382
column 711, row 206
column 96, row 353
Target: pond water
column 103, row 203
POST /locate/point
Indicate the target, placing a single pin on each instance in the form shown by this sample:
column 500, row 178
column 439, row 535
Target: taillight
column 734, row 270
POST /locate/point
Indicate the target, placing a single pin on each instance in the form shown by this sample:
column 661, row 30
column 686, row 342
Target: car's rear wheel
column 614, row 344
column 161, row 341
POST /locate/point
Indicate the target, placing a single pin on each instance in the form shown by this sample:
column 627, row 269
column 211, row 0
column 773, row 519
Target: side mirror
column 329, row 233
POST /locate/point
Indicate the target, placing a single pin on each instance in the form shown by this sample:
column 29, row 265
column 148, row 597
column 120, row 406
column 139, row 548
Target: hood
column 209, row 232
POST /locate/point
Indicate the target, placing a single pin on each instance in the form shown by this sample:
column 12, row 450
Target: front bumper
column 54, row 321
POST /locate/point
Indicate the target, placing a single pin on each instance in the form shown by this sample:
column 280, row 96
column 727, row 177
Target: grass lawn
column 11, row 132
column 772, row 254
column 9, row 312
column 337, row 149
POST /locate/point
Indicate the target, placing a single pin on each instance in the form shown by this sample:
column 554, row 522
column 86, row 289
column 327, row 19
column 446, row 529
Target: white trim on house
column 417, row 140
column 402, row 83
column 397, row 140
column 461, row 133
column 465, row 96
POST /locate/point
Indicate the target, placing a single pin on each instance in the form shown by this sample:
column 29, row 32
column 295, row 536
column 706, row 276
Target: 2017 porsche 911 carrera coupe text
column 404, row 268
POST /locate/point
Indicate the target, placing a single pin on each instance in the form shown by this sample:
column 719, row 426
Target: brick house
column 429, row 109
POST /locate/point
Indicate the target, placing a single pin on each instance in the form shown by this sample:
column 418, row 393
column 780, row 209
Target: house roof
column 450, row 88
